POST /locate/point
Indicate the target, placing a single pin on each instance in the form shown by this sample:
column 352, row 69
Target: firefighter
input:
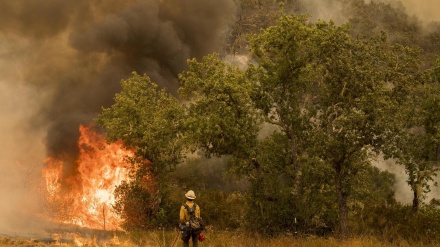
column 188, row 214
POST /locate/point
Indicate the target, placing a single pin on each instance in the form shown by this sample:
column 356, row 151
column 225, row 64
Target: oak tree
column 148, row 120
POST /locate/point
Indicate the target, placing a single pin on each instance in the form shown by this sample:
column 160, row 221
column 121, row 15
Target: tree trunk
column 415, row 204
column 418, row 190
column 294, row 161
column 342, row 202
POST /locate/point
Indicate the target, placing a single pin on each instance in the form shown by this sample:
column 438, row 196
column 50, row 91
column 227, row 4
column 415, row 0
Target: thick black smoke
column 76, row 52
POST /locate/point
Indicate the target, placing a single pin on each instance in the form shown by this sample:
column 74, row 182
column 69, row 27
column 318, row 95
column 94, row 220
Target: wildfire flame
column 86, row 199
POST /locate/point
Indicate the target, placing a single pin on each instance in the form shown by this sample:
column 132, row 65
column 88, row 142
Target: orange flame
column 87, row 198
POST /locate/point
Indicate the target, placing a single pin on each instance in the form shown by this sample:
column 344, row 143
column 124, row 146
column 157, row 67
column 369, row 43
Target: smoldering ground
column 61, row 61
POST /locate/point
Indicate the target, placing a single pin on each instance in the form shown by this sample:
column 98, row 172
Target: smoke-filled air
column 62, row 64
column 61, row 61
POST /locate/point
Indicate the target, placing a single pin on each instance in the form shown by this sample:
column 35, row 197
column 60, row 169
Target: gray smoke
column 426, row 10
column 61, row 61
column 76, row 52
column 324, row 10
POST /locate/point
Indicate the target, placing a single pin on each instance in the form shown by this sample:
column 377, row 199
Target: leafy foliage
column 329, row 93
column 221, row 118
column 134, row 205
column 149, row 121
column 401, row 222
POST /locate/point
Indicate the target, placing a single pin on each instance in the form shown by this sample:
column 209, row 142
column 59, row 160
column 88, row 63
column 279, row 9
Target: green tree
column 221, row 119
column 252, row 15
column 418, row 144
column 369, row 19
column 271, row 207
column 330, row 94
column 373, row 192
column 149, row 121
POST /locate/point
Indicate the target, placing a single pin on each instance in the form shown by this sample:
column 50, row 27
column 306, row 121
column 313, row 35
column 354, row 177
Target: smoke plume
column 426, row 11
column 61, row 61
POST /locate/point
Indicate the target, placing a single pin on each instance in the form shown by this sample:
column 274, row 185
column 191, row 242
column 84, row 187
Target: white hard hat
column 190, row 195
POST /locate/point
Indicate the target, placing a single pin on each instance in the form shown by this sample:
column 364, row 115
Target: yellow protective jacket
column 184, row 216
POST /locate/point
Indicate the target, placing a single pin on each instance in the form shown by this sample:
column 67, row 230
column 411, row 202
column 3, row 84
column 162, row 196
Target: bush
column 400, row 222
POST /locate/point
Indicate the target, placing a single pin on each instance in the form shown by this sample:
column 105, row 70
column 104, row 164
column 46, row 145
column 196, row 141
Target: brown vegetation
column 213, row 239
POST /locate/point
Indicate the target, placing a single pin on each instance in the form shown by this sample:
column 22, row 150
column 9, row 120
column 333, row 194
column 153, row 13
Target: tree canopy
column 149, row 121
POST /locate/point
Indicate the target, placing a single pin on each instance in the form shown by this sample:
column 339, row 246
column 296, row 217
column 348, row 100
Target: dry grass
column 162, row 238
column 248, row 240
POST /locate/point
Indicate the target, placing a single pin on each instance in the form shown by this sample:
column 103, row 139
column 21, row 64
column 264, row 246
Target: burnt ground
column 63, row 235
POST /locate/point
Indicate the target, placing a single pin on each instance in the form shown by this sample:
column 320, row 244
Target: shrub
column 401, row 222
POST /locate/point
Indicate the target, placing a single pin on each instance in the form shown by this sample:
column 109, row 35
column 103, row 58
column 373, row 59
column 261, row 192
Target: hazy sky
column 426, row 10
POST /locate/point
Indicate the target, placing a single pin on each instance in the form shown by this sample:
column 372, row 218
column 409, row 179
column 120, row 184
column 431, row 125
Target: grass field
column 213, row 239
